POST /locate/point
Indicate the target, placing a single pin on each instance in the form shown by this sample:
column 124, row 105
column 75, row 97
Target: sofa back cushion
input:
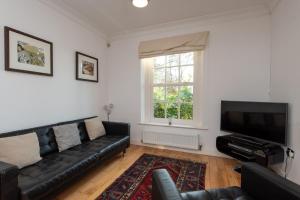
column 47, row 140
column 46, row 135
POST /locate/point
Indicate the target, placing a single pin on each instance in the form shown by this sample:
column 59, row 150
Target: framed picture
column 27, row 54
column 86, row 67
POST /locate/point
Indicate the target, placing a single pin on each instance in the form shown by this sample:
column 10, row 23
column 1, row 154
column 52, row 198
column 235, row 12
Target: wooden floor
column 219, row 172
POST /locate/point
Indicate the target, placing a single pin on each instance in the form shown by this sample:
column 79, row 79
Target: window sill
column 172, row 126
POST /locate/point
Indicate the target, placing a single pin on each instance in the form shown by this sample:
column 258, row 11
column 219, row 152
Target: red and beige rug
column 136, row 182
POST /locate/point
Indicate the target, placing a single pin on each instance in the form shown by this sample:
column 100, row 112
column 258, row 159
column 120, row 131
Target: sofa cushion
column 103, row 144
column 82, row 132
column 21, row 150
column 47, row 140
column 94, row 128
column 55, row 169
column 66, row 136
column 109, row 142
column 46, row 135
column 230, row 193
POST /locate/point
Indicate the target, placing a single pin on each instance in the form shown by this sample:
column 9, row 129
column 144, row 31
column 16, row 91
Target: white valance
column 173, row 45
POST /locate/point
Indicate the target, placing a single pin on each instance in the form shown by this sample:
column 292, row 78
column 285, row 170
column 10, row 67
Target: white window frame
column 147, row 114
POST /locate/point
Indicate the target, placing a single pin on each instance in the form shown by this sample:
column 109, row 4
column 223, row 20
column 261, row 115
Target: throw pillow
column 21, row 150
column 94, row 128
column 66, row 136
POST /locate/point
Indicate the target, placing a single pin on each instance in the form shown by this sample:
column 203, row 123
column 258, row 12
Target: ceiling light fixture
column 140, row 3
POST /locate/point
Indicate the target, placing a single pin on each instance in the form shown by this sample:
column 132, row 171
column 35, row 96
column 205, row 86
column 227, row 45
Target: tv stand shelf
column 250, row 150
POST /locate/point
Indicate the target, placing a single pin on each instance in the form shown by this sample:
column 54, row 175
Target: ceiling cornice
column 63, row 9
column 194, row 22
column 67, row 11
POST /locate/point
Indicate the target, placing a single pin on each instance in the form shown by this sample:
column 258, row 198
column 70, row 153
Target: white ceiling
column 113, row 17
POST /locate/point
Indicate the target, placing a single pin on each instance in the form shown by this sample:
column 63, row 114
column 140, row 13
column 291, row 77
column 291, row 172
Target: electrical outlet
column 290, row 153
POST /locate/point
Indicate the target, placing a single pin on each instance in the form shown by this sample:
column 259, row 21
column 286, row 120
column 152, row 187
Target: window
column 173, row 87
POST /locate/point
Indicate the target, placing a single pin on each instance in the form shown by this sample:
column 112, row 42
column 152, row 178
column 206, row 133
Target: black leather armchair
column 258, row 183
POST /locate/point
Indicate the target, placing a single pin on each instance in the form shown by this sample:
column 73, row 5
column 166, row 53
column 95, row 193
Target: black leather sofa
column 56, row 170
column 257, row 183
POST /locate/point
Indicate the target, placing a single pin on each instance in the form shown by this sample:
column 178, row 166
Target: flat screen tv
column 263, row 121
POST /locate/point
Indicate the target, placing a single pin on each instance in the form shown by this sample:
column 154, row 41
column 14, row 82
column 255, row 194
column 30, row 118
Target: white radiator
column 186, row 141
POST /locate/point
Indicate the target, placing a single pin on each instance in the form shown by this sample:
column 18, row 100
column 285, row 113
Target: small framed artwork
column 27, row 54
column 86, row 67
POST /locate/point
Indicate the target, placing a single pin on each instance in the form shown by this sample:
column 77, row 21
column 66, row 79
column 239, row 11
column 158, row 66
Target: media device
column 257, row 120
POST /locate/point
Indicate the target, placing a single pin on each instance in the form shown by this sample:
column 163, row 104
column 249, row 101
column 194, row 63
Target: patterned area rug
column 136, row 182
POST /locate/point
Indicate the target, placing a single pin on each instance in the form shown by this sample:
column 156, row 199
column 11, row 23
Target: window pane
column 159, row 93
column 159, row 75
column 172, row 75
column 186, row 94
column 187, row 74
column 172, row 110
column 159, row 110
column 172, row 60
column 159, row 61
column 187, row 58
column 186, row 111
column 172, row 94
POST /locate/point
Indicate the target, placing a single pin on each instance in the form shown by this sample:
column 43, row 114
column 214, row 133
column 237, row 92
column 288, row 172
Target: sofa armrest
column 8, row 181
column 163, row 187
column 116, row 128
column 261, row 183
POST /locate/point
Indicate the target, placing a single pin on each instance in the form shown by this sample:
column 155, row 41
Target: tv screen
column 264, row 121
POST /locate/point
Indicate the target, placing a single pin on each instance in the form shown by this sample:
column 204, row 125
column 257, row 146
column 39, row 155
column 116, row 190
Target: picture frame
column 86, row 68
column 26, row 53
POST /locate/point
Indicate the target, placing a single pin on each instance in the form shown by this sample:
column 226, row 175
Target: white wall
column 285, row 70
column 31, row 100
column 237, row 68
